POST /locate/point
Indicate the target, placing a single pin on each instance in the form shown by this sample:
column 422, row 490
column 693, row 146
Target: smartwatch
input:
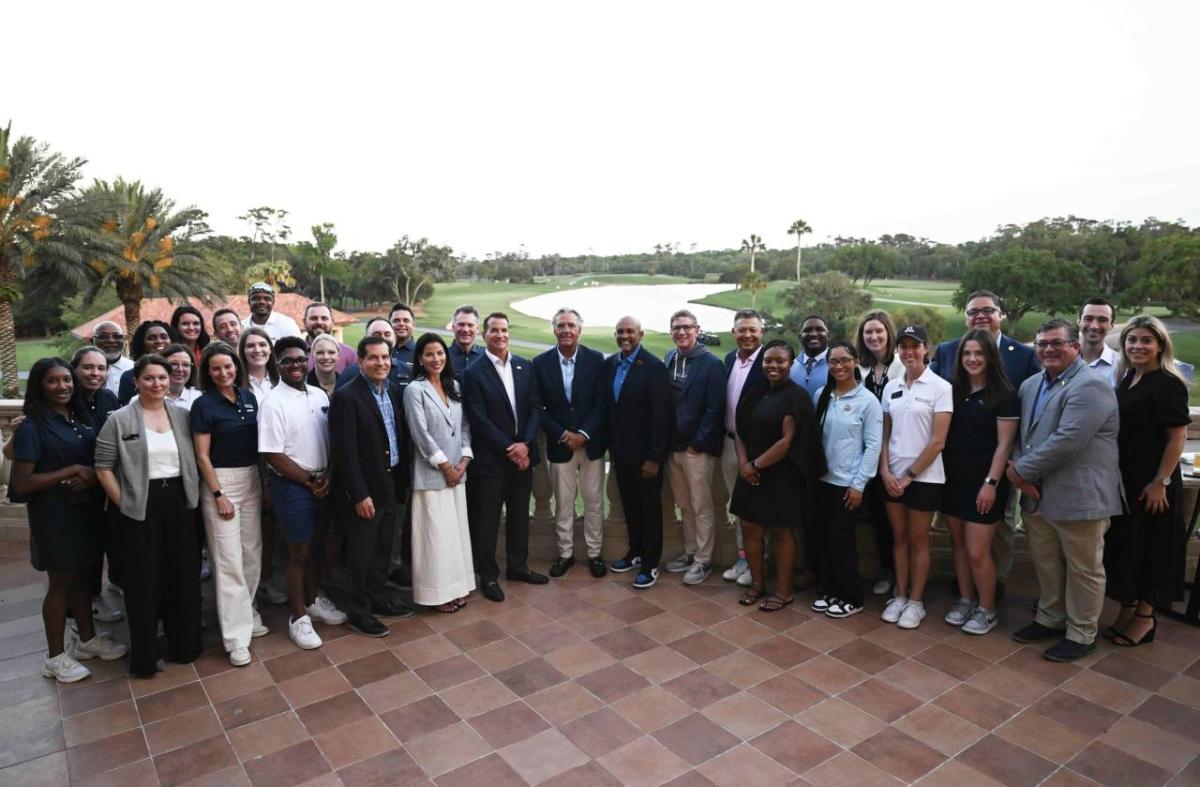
column 218, row 493
column 991, row 481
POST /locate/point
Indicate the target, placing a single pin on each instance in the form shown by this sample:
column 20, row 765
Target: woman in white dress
column 442, row 571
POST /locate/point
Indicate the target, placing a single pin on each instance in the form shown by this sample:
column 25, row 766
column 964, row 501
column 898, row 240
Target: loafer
column 367, row 625
column 561, row 566
column 532, row 577
column 392, row 609
column 1069, row 650
column 597, row 567
column 491, row 590
column 1036, row 632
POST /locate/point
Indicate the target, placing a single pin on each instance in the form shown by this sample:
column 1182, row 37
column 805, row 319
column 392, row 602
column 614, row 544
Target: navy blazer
column 1020, row 361
column 754, row 378
column 585, row 411
column 641, row 421
column 699, row 405
column 491, row 419
column 360, row 458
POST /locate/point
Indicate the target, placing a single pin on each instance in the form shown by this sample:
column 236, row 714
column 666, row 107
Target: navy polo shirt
column 233, row 426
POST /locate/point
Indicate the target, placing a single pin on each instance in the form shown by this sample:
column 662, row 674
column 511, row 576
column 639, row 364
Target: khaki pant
column 235, row 549
column 585, row 476
column 1003, row 545
column 1069, row 559
column 729, row 474
column 690, row 478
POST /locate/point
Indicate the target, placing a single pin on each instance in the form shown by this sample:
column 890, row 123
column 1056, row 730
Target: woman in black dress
column 1144, row 549
column 780, row 462
column 986, row 415
column 53, row 473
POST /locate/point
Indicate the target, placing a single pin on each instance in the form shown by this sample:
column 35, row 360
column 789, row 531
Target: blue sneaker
column 625, row 564
column 645, row 579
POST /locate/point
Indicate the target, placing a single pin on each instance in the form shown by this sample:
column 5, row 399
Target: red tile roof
column 290, row 303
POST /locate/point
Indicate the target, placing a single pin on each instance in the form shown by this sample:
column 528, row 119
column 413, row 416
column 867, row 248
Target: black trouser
column 485, row 496
column 837, row 543
column 110, row 525
column 642, row 501
column 873, row 499
column 368, row 556
column 162, row 579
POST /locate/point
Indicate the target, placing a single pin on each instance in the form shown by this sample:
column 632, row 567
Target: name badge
column 128, row 437
column 897, row 395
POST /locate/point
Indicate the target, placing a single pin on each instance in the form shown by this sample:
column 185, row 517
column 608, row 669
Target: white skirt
column 442, row 568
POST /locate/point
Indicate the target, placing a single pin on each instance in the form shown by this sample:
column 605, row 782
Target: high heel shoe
column 1112, row 631
column 1122, row 641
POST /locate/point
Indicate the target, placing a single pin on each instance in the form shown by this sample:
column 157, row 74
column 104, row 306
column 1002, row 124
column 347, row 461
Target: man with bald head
column 637, row 398
column 109, row 339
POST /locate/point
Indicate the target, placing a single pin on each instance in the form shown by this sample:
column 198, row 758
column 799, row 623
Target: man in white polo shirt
column 263, row 315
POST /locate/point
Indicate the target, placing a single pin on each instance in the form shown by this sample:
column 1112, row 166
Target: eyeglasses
column 1052, row 344
column 109, row 336
column 840, row 361
column 986, row 311
column 292, row 361
column 682, row 328
column 181, row 365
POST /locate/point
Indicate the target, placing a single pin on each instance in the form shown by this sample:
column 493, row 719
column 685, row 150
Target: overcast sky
column 613, row 126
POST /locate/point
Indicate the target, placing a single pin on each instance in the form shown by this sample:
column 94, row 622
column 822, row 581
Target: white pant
column 235, row 549
column 583, row 476
column 690, row 478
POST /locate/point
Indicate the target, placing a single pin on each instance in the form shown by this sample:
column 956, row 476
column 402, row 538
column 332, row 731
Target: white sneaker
column 913, row 614
column 981, row 622
column 301, row 632
column 259, row 630
column 734, row 572
column 822, row 604
column 323, row 611
column 64, row 669
column 100, row 647
column 697, row 573
column 891, row 613
column 961, row 612
column 680, row 564
column 240, row 657
column 745, row 580
column 839, row 609
column 105, row 612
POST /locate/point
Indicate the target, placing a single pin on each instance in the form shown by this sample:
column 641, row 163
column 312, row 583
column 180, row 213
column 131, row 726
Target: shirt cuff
column 468, row 453
column 437, row 459
column 586, row 436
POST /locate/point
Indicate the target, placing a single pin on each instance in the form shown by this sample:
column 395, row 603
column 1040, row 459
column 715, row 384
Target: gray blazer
column 121, row 447
column 1070, row 451
column 439, row 434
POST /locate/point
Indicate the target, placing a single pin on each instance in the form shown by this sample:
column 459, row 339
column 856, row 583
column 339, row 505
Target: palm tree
column 755, row 283
column 36, row 228
column 752, row 246
column 276, row 273
column 798, row 228
column 145, row 249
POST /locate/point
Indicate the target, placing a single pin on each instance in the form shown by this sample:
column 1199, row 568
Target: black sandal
column 751, row 596
column 1122, row 641
column 774, row 603
column 1112, row 631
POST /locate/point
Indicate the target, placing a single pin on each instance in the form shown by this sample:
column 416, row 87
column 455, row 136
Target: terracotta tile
column 781, row 620
column 447, row 749
column 576, row 660
column 478, row 696
column 592, row 774
column 237, row 682
column 903, row 642
column 357, row 741
column 953, row 773
column 314, row 687
column 632, row 610
column 1138, row 673
column 600, row 732
column 352, row 647
column 390, row 693
column 918, row 680
column 182, row 730
column 561, row 703
column 898, row 754
column 543, row 756
column 296, row 764
column 643, row 761
column 1076, row 713
column 699, row 688
column 561, row 605
column 1182, row 689
column 705, row 614
column 1114, row 767
column 171, row 702
column 475, row 635
column 491, row 770
column 138, row 772
column 520, row 619
column 1065, row 777
column 659, row 664
column 977, row 706
column 194, row 760
column 391, row 767
column 865, row 656
column 1109, row 692
column 848, row 768
column 100, row 723
column 332, row 713
column 549, row 638
column 745, row 766
column 880, row 699
column 666, row 628
column 233, row 776
column 590, row 625
column 530, row 677
column 1139, row 739
column 450, row 672
column 702, row 647
column 787, row 693
column 1006, row 762
column 828, row 674
column 695, row 738
column 782, row 651
column 84, row 696
column 610, row 589
column 105, row 754
column 369, row 669
column 1043, row 736
column 501, row 655
column 1170, row 716
column 1031, row 662
column 744, row 715
column 174, row 675
column 269, row 735
column 795, row 746
column 940, row 729
column 419, row 718
column 952, row 661
column 1188, row 776
column 822, row 635
column 508, row 724
column 250, row 708
column 840, row 722
column 989, row 648
column 652, row 708
column 743, row 669
column 409, row 629
column 1172, row 658
column 426, row 650
column 1010, row 685
column 624, row 643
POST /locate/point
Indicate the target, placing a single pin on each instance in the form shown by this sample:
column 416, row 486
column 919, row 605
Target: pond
column 653, row 304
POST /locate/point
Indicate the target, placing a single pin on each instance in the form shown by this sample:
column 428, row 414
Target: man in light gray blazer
column 1065, row 464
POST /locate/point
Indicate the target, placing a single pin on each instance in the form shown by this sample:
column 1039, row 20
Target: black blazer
column 641, row 421
column 754, row 378
column 359, row 446
column 585, row 411
column 493, row 429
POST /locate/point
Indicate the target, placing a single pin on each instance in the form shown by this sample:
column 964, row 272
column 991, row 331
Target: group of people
column 304, row 466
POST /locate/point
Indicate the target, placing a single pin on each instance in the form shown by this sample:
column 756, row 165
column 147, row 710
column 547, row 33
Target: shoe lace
column 980, row 617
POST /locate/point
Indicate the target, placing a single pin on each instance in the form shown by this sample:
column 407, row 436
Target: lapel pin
column 1011, row 348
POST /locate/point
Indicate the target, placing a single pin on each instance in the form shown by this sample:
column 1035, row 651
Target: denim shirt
column 852, row 433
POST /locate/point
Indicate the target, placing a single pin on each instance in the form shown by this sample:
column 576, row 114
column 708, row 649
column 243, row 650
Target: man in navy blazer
column 501, row 400
column 638, row 403
column 569, row 381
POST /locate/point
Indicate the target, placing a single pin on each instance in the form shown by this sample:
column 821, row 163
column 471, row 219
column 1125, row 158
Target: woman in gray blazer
column 442, row 569
column 146, row 464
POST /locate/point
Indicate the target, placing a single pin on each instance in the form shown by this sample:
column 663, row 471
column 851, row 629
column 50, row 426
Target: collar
column 816, row 359
column 496, row 361
column 564, row 360
column 737, row 356
column 628, row 359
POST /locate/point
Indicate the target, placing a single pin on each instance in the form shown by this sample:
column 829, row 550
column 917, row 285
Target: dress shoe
column 1036, row 632
column 597, row 567
column 561, row 566
column 392, row 609
column 367, row 625
column 1069, row 650
column 491, row 590
column 532, row 577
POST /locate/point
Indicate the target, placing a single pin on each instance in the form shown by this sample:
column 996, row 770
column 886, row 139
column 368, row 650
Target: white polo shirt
column 911, row 409
column 296, row 424
column 277, row 326
column 261, row 390
column 1108, row 362
column 115, row 370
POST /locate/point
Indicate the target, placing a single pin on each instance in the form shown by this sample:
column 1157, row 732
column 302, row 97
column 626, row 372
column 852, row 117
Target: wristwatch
column 1165, row 480
column 754, row 464
column 910, row 474
column 991, row 481
column 218, row 493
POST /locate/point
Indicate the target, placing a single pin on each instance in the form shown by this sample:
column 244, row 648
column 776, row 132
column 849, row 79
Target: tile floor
column 585, row 682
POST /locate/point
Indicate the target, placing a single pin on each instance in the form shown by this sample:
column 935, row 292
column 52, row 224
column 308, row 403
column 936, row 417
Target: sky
column 574, row 128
